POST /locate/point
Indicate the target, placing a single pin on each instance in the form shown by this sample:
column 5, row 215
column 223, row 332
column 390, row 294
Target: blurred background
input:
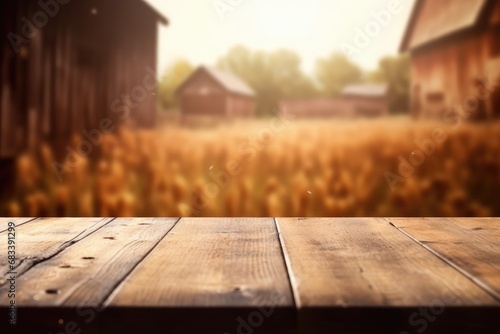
column 250, row 108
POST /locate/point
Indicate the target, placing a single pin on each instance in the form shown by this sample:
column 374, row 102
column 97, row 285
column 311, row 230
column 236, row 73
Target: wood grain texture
column 367, row 262
column 84, row 275
column 45, row 237
column 215, row 262
column 18, row 221
column 473, row 245
column 236, row 275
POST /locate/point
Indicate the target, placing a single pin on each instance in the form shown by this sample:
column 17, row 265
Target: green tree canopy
column 336, row 72
column 273, row 75
column 172, row 78
column 278, row 75
column 395, row 72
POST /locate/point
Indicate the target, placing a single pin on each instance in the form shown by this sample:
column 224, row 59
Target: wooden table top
column 252, row 275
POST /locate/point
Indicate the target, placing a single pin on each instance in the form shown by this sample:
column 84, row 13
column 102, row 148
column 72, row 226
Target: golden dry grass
column 312, row 168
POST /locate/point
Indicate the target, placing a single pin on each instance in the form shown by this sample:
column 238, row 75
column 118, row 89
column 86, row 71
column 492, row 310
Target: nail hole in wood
column 88, row 258
column 144, row 223
column 53, row 291
column 109, row 238
column 65, row 266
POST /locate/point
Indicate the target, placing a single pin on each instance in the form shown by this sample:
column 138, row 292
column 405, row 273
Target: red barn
column 316, row 108
column 215, row 93
column 455, row 57
column 356, row 101
column 367, row 100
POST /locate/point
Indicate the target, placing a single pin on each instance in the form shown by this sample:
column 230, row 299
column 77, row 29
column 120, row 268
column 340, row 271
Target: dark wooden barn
column 215, row 93
column 455, row 58
column 67, row 66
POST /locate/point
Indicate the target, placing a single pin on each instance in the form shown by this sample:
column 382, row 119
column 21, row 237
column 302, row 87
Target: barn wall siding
column 450, row 69
column 68, row 75
column 447, row 70
column 203, row 95
column 239, row 106
column 10, row 113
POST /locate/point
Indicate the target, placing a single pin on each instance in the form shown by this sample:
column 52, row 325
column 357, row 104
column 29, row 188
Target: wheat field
column 271, row 168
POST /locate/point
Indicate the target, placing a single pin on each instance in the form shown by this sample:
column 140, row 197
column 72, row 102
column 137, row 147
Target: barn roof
column 433, row 20
column 229, row 81
column 365, row 90
column 159, row 15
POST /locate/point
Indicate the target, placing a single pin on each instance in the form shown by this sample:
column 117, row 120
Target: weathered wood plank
column 470, row 244
column 212, row 262
column 46, row 237
column 226, row 274
column 366, row 262
column 85, row 274
column 18, row 221
column 230, row 276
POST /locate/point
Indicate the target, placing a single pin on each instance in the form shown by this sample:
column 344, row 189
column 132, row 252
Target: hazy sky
column 312, row 28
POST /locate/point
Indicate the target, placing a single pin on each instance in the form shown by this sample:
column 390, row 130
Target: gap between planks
column 25, row 264
column 107, row 299
column 292, row 281
column 449, row 262
column 88, row 283
column 28, row 220
column 217, row 262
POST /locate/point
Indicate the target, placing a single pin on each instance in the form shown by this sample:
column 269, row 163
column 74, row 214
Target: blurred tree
column 278, row 75
column 335, row 72
column 395, row 72
column 288, row 75
column 273, row 75
column 172, row 78
column 240, row 61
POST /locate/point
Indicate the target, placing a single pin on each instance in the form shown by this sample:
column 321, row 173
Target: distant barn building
column 356, row 101
column 65, row 68
column 454, row 47
column 316, row 108
column 367, row 100
column 215, row 93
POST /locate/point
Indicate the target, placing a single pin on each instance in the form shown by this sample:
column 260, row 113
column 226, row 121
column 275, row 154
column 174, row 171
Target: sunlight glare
column 287, row 20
